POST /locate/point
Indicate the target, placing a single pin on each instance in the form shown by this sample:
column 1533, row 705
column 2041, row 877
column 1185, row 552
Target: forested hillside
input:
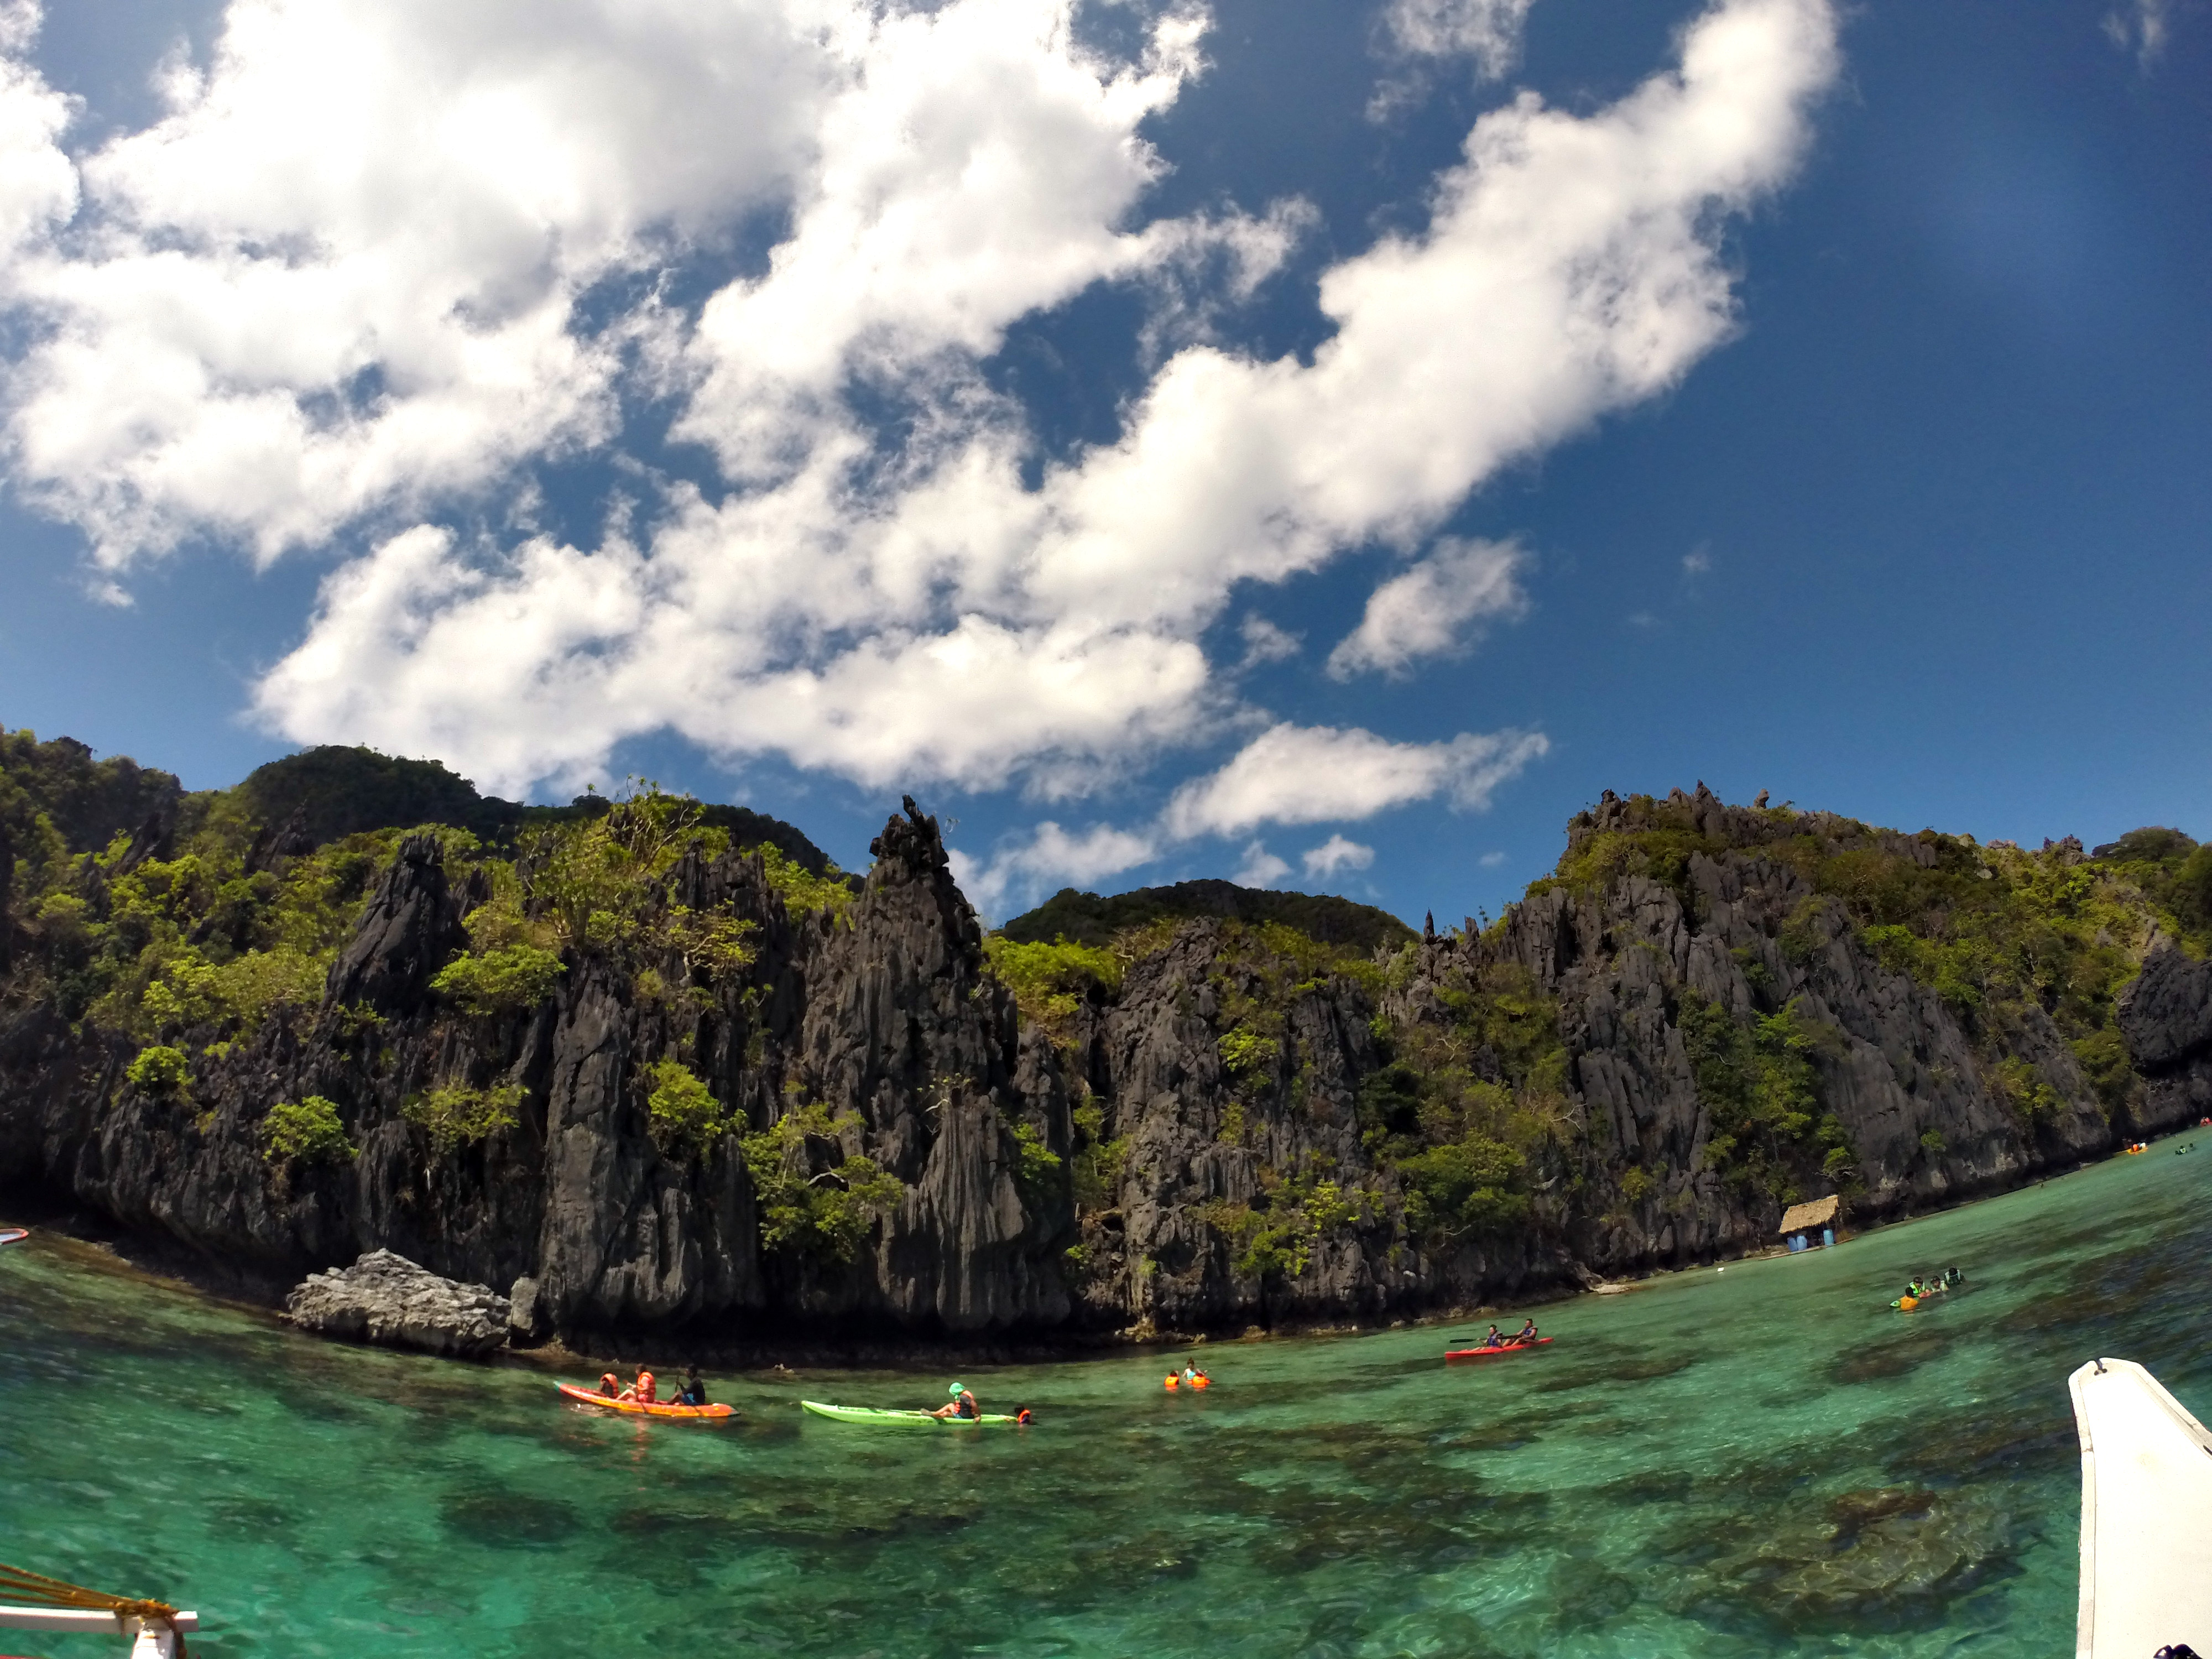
column 658, row 1066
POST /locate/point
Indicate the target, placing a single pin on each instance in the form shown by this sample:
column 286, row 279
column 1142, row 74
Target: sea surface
column 1762, row 1460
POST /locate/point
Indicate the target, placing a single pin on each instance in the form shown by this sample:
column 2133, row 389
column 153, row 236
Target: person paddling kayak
column 1525, row 1333
column 963, row 1404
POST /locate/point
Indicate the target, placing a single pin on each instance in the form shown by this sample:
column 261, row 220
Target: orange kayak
column 570, row 1392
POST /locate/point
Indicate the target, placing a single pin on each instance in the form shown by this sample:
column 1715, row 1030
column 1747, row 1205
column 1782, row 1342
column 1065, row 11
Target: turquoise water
column 1763, row 1461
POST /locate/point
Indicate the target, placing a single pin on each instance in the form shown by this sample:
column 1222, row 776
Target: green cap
column 957, row 1389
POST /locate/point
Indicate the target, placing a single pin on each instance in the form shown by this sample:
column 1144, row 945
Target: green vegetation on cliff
column 825, row 1214
column 1770, row 1129
column 1051, row 981
column 1467, row 1101
column 1994, row 930
column 185, row 920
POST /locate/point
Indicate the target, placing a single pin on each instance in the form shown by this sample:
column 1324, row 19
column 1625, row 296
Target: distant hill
column 338, row 791
column 1087, row 919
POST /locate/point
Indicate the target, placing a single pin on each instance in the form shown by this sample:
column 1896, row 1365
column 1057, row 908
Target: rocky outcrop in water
column 387, row 1300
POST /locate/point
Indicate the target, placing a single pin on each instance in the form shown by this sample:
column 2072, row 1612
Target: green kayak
column 870, row 1415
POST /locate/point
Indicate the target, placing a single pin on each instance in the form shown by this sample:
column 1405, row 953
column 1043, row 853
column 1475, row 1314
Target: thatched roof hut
column 1803, row 1218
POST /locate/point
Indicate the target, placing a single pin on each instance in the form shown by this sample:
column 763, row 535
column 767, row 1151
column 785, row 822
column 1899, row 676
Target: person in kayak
column 610, row 1385
column 963, row 1404
column 1494, row 1340
column 694, row 1391
column 1525, row 1333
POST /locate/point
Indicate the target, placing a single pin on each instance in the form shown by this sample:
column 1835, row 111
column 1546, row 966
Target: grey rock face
column 2166, row 1019
column 412, row 925
column 388, row 1300
column 887, row 1019
column 885, row 1027
column 1925, row 1120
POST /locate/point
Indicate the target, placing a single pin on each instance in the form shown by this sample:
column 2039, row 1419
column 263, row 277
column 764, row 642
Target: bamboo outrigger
column 157, row 1629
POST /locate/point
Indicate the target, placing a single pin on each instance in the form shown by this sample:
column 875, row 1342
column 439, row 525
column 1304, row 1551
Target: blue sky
column 1869, row 468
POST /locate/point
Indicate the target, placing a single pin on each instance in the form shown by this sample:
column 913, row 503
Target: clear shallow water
column 1764, row 1461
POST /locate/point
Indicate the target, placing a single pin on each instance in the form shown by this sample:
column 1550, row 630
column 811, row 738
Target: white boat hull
column 2146, row 1516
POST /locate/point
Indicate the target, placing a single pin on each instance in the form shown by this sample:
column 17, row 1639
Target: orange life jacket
column 610, row 1384
column 645, row 1386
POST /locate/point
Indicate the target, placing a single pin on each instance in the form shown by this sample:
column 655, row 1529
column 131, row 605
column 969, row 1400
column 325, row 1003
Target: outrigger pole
column 159, row 1629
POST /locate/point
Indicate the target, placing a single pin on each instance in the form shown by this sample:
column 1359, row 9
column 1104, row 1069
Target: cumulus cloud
column 1336, row 853
column 1436, row 607
column 1312, row 774
column 385, row 258
column 342, row 274
column 38, row 185
column 1261, row 867
column 1287, row 775
column 1048, row 856
column 1265, row 642
column 1488, row 31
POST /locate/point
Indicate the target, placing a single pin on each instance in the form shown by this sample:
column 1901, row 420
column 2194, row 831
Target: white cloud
column 2141, row 27
column 1289, row 774
column 1261, row 867
column 1491, row 861
column 341, row 291
column 1265, row 642
column 973, row 171
column 1698, row 562
column 1311, row 774
column 1336, row 853
column 1050, row 856
column 38, row 185
column 1436, row 607
column 1488, row 31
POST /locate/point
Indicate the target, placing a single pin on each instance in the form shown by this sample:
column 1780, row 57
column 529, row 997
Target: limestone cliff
column 727, row 1098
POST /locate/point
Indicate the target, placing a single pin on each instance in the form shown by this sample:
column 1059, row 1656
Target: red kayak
column 1497, row 1353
